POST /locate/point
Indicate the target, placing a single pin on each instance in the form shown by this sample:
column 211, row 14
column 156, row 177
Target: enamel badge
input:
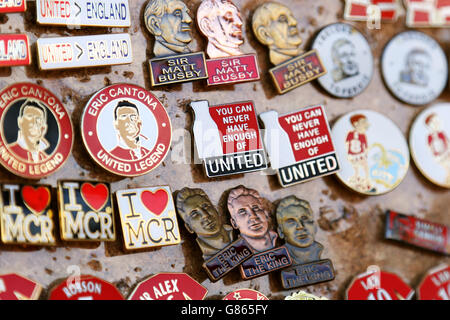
column 245, row 294
column 429, row 143
column 376, row 284
column 418, row 232
column 221, row 23
column 296, row 226
column 369, row 10
column 302, row 295
column 148, row 217
column 427, row 13
column 85, row 211
column 14, row 50
column 414, row 67
column 348, row 58
column 435, row 285
column 85, row 287
column 299, row 145
column 228, row 139
column 373, row 152
column 214, row 237
column 293, row 68
column 170, row 23
column 27, row 216
column 126, row 130
column 249, row 215
column 169, row 286
column 37, row 133
column 16, row 287
column 10, row 6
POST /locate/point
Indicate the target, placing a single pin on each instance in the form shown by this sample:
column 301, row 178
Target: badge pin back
column 429, row 143
column 16, row 50
column 373, row 152
column 436, row 284
column 245, row 294
column 14, row 286
column 27, row 214
column 169, row 286
column 300, row 145
column 414, row 67
column 126, row 130
column 148, row 217
column 34, row 152
column 86, row 211
column 348, row 58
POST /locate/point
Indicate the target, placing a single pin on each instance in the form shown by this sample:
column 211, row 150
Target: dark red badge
column 16, row 287
column 9, row 6
column 85, row 287
column 14, row 50
column 245, row 294
column 436, row 284
column 37, row 135
column 169, row 286
column 126, row 130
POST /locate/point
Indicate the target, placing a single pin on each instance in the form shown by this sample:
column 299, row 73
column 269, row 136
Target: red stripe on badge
column 14, row 50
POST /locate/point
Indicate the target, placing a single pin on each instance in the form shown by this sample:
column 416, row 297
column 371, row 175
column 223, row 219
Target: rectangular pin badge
column 100, row 13
column 14, row 50
column 232, row 69
column 84, row 51
column 10, row 6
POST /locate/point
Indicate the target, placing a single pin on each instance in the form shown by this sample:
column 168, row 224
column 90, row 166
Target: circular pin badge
column 436, row 284
column 36, row 131
column 414, row 67
column 373, row 152
column 245, row 294
column 348, row 58
column 429, row 141
column 126, row 130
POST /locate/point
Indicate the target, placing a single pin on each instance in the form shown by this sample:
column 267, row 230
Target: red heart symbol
column 156, row 202
column 37, row 200
column 95, row 196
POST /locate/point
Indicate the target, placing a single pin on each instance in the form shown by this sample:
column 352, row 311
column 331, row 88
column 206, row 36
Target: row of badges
column 374, row 284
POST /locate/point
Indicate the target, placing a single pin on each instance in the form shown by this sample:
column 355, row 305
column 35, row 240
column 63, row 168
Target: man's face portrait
column 434, row 124
column 361, row 125
column 32, row 124
column 128, row 124
column 417, row 65
column 200, row 216
column 344, row 55
column 249, row 216
column 296, row 225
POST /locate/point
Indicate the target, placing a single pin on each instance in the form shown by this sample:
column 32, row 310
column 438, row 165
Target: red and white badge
column 364, row 10
column 14, row 50
column 435, row 285
column 126, row 130
column 9, row 6
column 17, row 287
column 169, row 286
column 36, row 135
column 427, row 13
column 245, row 294
column 378, row 285
column 85, row 287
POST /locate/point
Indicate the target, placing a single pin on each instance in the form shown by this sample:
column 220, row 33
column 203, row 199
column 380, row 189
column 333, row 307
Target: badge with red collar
column 245, row 294
column 126, row 130
column 37, row 135
column 85, row 287
column 16, row 287
column 436, row 284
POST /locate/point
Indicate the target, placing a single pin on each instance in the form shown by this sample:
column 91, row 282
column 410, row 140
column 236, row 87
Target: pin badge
column 293, row 67
column 228, row 139
column 427, row 13
column 169, row 286
column 376, row 284
column 214, row 237
column 170, row 23
column 84, row 51
column 299, row 145
column 245, row 294
column 85, row 211
column 418, row 232
column 414, row 67
column 100, row 13
column 296, row 226
column 221, row 23
column 435, row 285
column 429, row 143
column 373, row 152
column 126, row 130
column 37, row 135
column 86, row 287
column 347, row 56
column 10, row 6
column 243, row 205
column 366, row 10
column 14, row 50
column 16, row 287
column 148, row 217
column 26, row 214
column 302, row 295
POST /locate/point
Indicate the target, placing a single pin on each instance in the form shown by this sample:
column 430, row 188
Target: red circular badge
column 37, row 134
column 85, row 287
column 436, row 284
column 245, row 294
column 126, row 130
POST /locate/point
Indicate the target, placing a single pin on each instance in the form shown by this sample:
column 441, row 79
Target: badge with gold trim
column 10, row 6
column 14, row 286
column 245, row 294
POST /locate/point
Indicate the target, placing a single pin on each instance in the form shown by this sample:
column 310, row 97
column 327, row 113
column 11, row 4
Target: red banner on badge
column 359, row 9
column 232, row 69
column 9, row 6
column 85, row 287
column 14, row 50
column 16, row 287
column 436, row 285
column 428, row 13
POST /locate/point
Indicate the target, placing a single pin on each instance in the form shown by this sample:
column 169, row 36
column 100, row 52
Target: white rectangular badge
column 101, row 13
column 84, row 51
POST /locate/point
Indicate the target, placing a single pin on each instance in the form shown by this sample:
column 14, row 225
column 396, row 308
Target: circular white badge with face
column 429, row 140
column 414, row 67
column 372, row 150
column 347, row 57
